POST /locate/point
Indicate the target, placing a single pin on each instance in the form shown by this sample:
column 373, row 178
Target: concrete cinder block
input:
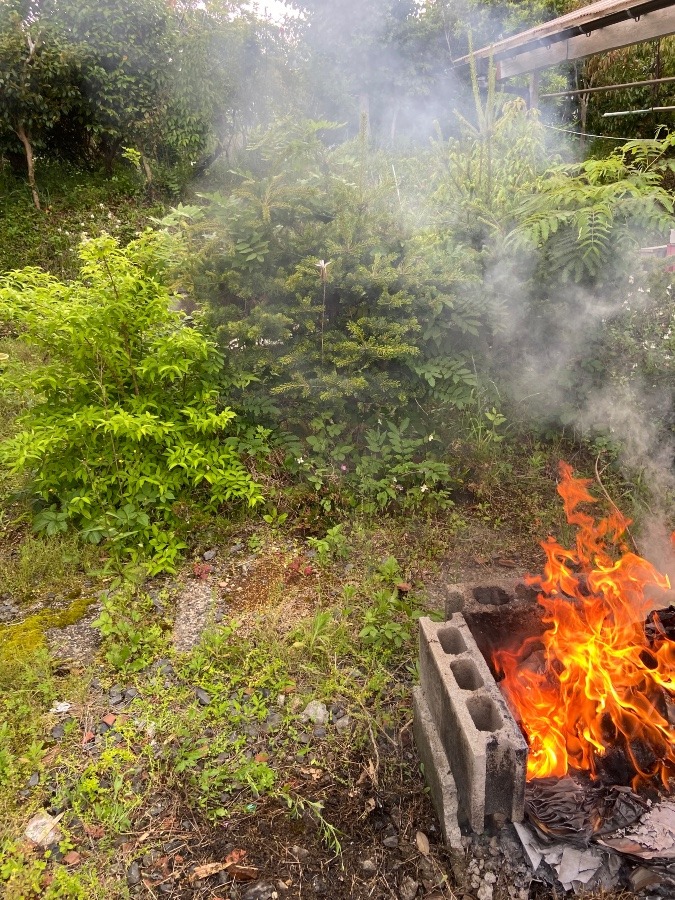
column 437, row 770
column 481, row 741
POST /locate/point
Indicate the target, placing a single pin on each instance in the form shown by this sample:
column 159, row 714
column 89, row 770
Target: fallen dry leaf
column 208, row 869
column 72, row 858
column 261, row 757
column 94, row 831
column 422, row 842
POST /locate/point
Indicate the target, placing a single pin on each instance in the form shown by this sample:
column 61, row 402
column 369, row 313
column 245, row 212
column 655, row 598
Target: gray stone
column 342, row 724
column 209, row 555
column 368, row 867
column 390, row 841
column 133, row 874
column 261, row 890
column 319, row 885
column 408, row 889
column 43, row 829
column 203, row 696
column 315, row 711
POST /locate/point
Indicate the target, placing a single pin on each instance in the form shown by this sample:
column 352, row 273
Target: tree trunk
column 394, row 121
column 25, row 140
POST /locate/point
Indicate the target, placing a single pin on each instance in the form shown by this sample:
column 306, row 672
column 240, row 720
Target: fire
column 599, row 682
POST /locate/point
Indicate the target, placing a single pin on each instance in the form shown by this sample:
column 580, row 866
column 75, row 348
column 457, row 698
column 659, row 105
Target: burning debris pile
column 549, row 703
column 597, row 683
column 595, row 696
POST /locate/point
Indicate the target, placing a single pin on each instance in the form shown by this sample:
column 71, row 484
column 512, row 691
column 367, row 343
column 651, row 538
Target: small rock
column 209, row 555
column 342, row 724
column 319, row 885
column 422, row 842
column 58, row 732
column 130, row 693
column 390, row 841
column 319, row 732
column 368, row 867
column 316, row 711
column 109, row 719
column 133, row 874
column 172, row 846
column 408, row 889
column 150, row 859
column 261, row 890
column 300, row 853
column 34, row 780
column 236, row 548
column 203, row 697
column 43, row 830
column 72, row 858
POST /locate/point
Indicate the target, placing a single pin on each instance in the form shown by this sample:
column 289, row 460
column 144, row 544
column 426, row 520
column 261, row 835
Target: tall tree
column 127, row 49
column 38, row 79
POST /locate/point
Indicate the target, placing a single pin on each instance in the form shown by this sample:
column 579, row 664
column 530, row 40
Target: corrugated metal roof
column 581, row 21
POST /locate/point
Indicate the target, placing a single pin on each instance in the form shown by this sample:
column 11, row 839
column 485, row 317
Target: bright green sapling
column 126, row 417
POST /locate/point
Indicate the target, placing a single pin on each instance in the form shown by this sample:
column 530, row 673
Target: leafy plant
column 131, row 637
column 332, row 545
column 386, row 622
column 127, row 417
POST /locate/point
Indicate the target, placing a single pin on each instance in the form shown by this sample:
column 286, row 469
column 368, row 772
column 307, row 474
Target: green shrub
column 127, row 417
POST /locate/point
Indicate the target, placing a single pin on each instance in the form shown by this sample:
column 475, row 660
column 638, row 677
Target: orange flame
column 600, row 681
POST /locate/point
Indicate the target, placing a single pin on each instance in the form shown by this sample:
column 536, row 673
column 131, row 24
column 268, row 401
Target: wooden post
column 534, row 90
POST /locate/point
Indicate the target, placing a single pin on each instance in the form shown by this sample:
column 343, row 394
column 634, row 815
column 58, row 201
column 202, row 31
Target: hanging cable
column 586, row 134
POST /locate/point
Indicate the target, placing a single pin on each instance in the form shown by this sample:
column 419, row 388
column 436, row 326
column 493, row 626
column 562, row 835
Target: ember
column 603, row 684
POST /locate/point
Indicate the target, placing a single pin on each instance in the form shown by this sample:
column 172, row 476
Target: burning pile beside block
column 585, row 660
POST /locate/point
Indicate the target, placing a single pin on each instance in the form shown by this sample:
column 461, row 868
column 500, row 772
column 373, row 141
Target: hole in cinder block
column 491, row 596
column 484, row 713
column 466, row 675
column 452, row 641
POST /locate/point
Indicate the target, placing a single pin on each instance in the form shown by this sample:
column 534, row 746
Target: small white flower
column 430, row 438
column 300, row 460
column 424, row 488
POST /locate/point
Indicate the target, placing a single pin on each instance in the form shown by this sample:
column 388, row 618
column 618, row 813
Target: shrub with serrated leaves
column 127, row 417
